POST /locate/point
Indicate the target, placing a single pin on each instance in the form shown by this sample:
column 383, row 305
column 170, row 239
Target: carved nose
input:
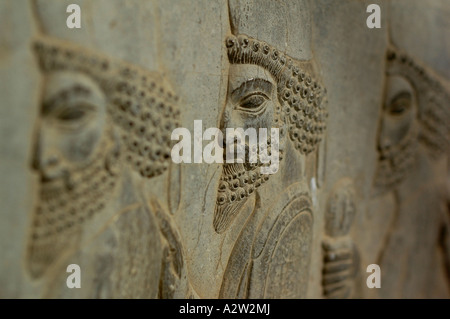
column 42, row 161
column 385, row 143
column 41, row 164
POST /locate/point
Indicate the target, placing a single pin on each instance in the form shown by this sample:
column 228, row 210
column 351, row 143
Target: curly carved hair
column 142, row 106
column 302, row 97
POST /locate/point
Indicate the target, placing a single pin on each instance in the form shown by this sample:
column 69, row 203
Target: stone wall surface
column 87, row 124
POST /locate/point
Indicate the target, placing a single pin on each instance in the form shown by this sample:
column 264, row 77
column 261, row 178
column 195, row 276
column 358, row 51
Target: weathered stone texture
column 87, row 176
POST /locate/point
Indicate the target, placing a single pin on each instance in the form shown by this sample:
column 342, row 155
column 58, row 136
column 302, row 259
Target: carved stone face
column 399, row 113
column 398, row 132
column 252, row 102
column 266, row 89
column 95, row 113
column 73, row 156
column 415, row 110
column 252, row 98
column 72, row 124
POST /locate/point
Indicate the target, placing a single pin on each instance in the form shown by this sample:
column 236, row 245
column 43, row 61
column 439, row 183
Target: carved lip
column 54, row 173
column 56, row 181
column 49, row 178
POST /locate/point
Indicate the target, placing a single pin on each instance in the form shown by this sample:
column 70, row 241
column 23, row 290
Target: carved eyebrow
column 402, row 94
column 63, row 95
column 252, row 85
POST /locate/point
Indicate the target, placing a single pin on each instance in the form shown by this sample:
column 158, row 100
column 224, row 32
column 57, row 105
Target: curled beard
column 395, row 163
column 65, row 204
column 237, row 183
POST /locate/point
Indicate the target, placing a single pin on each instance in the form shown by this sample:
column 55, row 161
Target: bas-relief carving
column 415, row 110
column 104, row 129
column 289, row 99
column 104, row 126
column 271, row 256
column 413, row 142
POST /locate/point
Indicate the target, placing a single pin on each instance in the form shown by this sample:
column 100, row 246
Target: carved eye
column 400, row 104
column 253, row 102
column 74, row 116
column 71, row 114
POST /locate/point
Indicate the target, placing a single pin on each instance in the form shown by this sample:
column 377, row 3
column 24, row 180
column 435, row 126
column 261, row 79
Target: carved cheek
column 394, row 130
column 267, row 116
column 81, row 147
column 261, row 120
